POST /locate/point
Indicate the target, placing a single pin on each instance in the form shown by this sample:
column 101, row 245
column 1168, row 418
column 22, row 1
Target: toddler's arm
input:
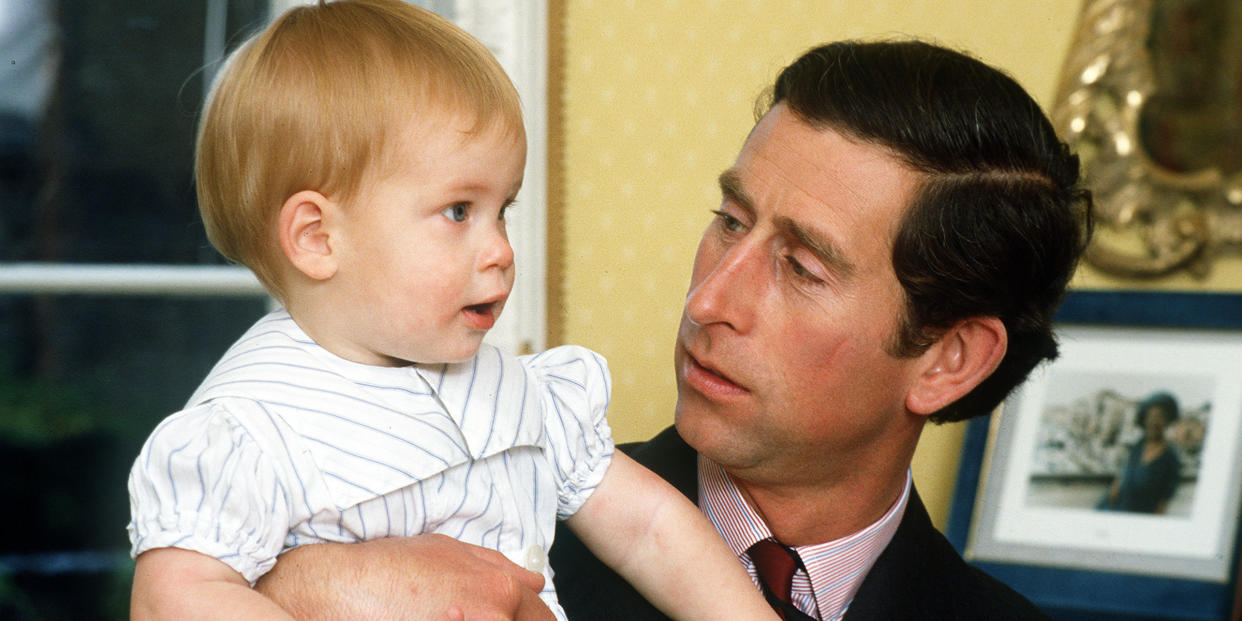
column 171, row 583
column 662, row 544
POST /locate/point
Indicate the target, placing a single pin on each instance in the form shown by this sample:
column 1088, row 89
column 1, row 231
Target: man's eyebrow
column 731, row 189
column 819, row 245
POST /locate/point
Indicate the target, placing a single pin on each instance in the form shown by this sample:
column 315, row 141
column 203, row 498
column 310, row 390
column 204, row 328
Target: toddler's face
column 426, row 260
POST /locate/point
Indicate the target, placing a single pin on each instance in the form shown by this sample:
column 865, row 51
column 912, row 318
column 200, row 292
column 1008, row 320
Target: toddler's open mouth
column 482, row 316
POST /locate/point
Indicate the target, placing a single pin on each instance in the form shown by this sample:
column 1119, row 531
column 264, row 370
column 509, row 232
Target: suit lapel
column 894, row 587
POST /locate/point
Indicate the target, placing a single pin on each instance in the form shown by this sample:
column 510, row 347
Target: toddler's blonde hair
column 311, row 103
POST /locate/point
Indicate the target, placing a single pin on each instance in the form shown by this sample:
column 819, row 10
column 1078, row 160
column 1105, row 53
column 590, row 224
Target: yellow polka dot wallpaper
column 657, row 97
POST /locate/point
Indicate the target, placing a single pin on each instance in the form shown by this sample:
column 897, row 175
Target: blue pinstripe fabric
column 285, row 444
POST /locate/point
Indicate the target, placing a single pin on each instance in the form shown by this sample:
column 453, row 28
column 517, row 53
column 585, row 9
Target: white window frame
column 516, row 32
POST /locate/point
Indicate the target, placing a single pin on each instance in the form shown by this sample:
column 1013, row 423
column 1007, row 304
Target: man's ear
column 963, row 357
column 305, row 234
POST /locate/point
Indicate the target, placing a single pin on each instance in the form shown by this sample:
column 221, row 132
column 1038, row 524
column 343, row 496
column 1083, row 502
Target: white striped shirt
column 285, row 444
column 834, row 570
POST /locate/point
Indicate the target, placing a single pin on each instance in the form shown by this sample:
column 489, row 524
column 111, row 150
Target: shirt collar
column 834, row 569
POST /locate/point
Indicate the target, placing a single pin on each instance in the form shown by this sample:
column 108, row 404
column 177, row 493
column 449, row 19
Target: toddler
column 359, row 156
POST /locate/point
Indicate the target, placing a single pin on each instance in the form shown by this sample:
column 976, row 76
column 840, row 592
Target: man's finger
column 533, row 608
column 529, row 579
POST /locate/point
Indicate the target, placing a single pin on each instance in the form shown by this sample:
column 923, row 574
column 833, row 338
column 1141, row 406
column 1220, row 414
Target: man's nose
column 727, row 286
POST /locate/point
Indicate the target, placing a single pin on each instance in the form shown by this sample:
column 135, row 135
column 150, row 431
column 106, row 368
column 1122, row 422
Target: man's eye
column 455, row 212
column 728, row 222
column 800, row 271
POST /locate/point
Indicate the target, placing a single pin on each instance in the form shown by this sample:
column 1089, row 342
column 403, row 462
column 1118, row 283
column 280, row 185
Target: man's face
column 781, row 358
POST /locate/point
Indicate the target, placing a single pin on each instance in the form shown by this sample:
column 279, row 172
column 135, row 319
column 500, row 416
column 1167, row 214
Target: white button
column 535, row 559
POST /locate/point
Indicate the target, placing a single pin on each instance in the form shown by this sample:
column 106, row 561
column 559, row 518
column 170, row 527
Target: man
column 891, row 244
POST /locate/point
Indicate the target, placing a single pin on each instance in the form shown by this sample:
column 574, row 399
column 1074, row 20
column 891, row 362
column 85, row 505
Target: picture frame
column 1028, row 498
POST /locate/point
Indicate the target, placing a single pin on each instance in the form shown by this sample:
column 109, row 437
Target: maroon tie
column 775, row 565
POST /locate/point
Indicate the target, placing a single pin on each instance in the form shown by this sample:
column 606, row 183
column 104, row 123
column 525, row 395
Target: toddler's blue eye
column 455, row 212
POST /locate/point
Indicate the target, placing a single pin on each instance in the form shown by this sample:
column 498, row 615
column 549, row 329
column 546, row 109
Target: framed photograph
column 1111, row 480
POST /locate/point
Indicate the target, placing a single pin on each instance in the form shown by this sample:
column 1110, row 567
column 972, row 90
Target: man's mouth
column 711, row 370
column 706, row 379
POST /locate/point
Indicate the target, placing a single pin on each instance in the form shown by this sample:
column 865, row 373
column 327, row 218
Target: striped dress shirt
column 834, row 570
column 285, row 444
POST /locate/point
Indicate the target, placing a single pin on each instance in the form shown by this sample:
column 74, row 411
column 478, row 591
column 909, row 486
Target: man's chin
column 725, row 441
column 699, row 426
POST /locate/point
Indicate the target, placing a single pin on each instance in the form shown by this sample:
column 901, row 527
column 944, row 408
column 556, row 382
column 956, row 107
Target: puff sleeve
column 575, row 388
column 202, row 483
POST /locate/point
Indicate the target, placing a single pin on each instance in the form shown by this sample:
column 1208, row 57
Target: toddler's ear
column 304, row 234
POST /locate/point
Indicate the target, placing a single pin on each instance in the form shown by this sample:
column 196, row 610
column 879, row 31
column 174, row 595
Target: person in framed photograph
column 1152, row 470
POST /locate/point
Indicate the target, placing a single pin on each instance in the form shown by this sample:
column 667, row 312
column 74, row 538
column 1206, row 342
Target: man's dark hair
column 998, row 221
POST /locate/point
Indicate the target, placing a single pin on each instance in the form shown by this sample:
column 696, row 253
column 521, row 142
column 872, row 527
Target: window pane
column 83, row 381
column 98, row 105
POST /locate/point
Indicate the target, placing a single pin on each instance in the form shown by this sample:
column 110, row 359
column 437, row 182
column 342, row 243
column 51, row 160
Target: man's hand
column 421, row 577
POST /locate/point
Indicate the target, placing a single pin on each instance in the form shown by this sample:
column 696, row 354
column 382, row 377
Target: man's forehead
column 797, row 156
column 826, row 184
column 807, row 183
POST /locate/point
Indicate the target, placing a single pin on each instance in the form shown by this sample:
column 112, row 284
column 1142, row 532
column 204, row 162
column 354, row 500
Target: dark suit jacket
column 918, row 576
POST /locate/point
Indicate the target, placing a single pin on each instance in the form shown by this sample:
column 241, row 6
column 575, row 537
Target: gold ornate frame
column 1153, row 221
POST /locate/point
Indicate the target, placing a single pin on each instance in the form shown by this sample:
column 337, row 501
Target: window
column 113, row 305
